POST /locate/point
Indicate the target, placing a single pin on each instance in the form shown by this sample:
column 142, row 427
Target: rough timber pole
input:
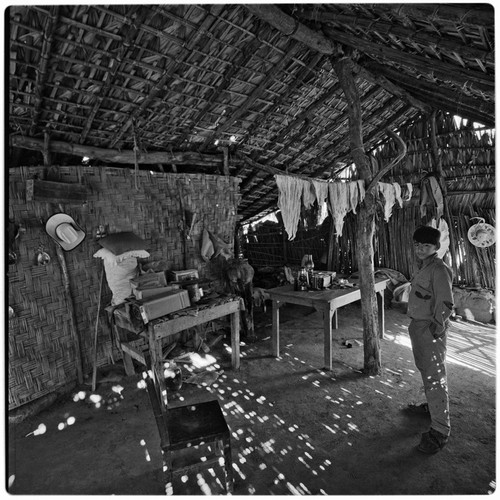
column 366, row 220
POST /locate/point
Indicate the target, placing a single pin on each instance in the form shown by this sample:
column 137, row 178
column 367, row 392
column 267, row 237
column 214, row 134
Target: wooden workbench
column 166, row 326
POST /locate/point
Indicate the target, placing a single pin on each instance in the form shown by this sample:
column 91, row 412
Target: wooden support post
column 366, row 220
column 66, row 279
column 72, row 316
column 331, row 242
column 225, row 168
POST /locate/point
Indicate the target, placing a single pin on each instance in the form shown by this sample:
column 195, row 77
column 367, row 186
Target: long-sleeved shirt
column 431, row 295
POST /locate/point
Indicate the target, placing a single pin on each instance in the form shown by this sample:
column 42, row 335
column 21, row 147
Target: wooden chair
column 188, row 433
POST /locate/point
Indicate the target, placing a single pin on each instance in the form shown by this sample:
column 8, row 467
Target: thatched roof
column 204, row 87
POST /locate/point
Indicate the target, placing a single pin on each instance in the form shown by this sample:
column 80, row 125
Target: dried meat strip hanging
column 339, row 204
column 389, row 194
column 321, row 189
column 289, row 202
column 397, row 190
column 308, row 194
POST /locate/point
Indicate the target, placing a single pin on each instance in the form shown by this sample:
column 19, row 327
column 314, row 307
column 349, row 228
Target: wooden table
column 167, row 326
column 327, row 301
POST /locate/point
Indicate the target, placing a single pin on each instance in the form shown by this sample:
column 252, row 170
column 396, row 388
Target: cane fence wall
column 41, row 354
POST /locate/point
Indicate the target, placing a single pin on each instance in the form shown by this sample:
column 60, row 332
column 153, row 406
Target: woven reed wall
column 41, row 353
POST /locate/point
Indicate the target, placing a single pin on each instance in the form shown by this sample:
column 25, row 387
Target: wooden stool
column 184, row 429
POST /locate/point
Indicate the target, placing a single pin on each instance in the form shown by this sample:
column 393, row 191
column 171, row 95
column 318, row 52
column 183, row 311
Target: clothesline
column 342, row 197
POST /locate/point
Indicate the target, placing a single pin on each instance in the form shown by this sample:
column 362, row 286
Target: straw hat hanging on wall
column 481, row 234
column 64, row 231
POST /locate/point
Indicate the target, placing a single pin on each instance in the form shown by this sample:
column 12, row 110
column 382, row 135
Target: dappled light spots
column 41, row 429
column 79, row 396
column 146, row 452
column 96, row 399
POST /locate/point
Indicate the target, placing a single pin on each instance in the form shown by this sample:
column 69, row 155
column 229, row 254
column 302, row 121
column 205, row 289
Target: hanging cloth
column 431, row 194
column 321, row 190
column 289, row 202
column 308, row 194
column 397, row 192
column 389, row 194
column 339, row 204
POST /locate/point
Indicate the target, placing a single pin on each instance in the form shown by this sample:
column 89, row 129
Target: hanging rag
column 339, row 204
column 389, row 194
column 431, row 194
column 397, row 192
column 308, row 194
column 289, row 202
column 207, row 247
column 321, row 189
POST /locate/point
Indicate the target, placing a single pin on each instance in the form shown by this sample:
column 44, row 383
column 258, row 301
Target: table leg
column 235, row 340
column 381, row 314
column 155, row 352
column 128, row 363
column 328, row 315
column 335, row 320
column 276, row 328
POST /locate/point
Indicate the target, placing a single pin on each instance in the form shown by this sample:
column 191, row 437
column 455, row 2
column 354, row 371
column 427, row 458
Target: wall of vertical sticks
column 41, row 351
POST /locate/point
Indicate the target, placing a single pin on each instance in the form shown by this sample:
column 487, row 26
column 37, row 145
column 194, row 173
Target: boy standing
column 429, row 307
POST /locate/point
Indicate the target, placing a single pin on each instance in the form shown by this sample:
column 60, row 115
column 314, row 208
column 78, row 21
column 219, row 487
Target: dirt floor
column 296, row 428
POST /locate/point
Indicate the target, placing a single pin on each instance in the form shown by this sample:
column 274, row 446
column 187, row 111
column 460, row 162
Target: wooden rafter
column 119, row 156
column 169, row 72
column 431, row 67
column 214, row 93
column 438, row 97
column 114, row 65
column 285, row 95
column 410, row 35
column 464, row 15
column 257, row 92
column 292, row 28
column 48, row 37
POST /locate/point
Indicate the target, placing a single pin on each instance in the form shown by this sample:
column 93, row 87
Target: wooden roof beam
column 390, row 87
column 119, row 156
column 451, row 13
column 291, row 27
column 41, row 77
column 317, row 41
column 436, row 96
column 419, row 64
column 386, row 28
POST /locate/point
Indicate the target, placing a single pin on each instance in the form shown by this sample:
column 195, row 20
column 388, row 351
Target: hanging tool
column 94, row 372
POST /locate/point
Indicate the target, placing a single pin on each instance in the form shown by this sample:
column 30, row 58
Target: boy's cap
column 427, row 234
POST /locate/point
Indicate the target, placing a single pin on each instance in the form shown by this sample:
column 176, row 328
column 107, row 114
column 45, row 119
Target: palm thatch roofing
column 240, row 89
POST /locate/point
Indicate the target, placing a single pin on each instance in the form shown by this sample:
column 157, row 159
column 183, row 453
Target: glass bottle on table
column 302, row 282
column 309, row 265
